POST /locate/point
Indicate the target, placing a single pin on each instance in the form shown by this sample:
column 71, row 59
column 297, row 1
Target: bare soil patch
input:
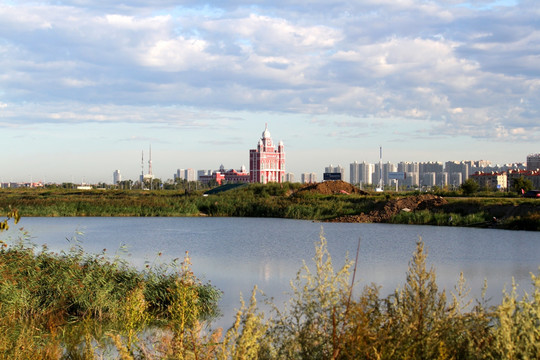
column 331, row 188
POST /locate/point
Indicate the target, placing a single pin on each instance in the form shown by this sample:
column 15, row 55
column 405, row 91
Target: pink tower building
column 266, row 163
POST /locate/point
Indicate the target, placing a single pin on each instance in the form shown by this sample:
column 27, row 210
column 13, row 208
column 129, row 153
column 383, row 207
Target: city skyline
column 86, row 85
column 192, row 174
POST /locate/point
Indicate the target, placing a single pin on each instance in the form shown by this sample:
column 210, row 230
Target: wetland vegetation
column 292, row 201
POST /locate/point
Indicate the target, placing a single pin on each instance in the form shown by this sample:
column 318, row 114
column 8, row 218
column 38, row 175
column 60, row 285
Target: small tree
column 415, row 314
column 522, row 184
column 469, row 187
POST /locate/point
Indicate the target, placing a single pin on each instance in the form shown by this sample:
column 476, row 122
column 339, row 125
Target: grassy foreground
column 69, row 305
column 273, row 200
column 77, row 306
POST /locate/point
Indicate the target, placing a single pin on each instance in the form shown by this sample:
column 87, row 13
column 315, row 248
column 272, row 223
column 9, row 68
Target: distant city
column 267, row 165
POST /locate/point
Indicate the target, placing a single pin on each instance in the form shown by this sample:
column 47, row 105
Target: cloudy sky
column 87, row 85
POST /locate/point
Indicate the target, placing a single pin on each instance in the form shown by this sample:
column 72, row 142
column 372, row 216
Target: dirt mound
column 392, row 207
column 331, row 188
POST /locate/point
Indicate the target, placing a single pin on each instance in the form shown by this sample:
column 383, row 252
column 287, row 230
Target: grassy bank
column 512, row 213
column 272, row 200
column 56, row 306
column 75, row 306
column 252, row 201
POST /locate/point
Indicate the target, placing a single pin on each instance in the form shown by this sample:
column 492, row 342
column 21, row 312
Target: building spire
column 266, row 133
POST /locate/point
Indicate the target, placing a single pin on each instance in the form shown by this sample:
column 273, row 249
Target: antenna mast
column 142, row 165
column 150, row 162
column 380, row 187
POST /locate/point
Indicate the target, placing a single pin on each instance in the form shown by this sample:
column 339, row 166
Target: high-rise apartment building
column 413, row 173
column 428, row 179
column 180, row 174
column 309, row 178
column 533, row 162
column 454, row 167
column 354, row 173
column 203, row 173
column 190, row 175
column 441, row 179
column 361, row 173
column 387, row 168
column 430, row 167
column 117, row 177
column 334, row 170
column 289, row 177
column 266, row 163
column 455, row 179
column 186, row 174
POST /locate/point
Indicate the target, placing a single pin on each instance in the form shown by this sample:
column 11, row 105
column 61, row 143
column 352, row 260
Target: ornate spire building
column 266, row 163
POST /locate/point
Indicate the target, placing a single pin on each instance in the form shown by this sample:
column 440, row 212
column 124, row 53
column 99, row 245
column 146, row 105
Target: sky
column 88, row 86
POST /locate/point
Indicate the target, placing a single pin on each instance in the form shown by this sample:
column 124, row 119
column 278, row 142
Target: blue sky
column 86, row 86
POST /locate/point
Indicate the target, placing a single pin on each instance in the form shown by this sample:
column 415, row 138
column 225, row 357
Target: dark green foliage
column 469, row 187
column 521, row 184
column 529, row 222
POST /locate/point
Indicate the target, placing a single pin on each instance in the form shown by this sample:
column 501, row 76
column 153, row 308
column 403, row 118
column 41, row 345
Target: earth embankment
column 331, row 188
column 385, row 210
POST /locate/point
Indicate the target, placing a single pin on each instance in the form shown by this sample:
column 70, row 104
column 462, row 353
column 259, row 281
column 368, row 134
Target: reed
column 53, row 301
column 269, row 200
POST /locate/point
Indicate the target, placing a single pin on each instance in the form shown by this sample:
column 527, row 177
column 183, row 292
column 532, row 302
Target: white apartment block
column 455, row 179
column 289, row 177
column 190, row 175
column 462, row 167
column 180, row 174
column 387, row 168
column 361, row 173
column 117, row 177
column 413, row 173
column 309, row 178
column 429, row 179
column 336, row 169
column 187, row 174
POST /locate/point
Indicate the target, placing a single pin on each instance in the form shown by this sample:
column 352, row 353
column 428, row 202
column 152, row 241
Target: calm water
column 237, row 253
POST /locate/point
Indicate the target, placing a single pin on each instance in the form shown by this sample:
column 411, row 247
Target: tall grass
column 269, row 200
column 426, row 217
column 63, row 303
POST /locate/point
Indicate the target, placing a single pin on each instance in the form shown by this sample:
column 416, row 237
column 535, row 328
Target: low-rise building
column 491, row 180
column 532, row 175
column 222, row 176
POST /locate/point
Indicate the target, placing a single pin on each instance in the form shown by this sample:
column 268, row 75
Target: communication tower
column 380, row 185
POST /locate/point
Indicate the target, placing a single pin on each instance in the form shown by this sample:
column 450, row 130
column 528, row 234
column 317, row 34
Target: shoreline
column 289, row 201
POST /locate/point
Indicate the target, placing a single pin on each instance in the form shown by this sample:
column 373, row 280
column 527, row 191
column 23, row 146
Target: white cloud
column 178, row 54
column 465, row 65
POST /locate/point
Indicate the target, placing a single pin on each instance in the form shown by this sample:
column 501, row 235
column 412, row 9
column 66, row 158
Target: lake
column 237, row 253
